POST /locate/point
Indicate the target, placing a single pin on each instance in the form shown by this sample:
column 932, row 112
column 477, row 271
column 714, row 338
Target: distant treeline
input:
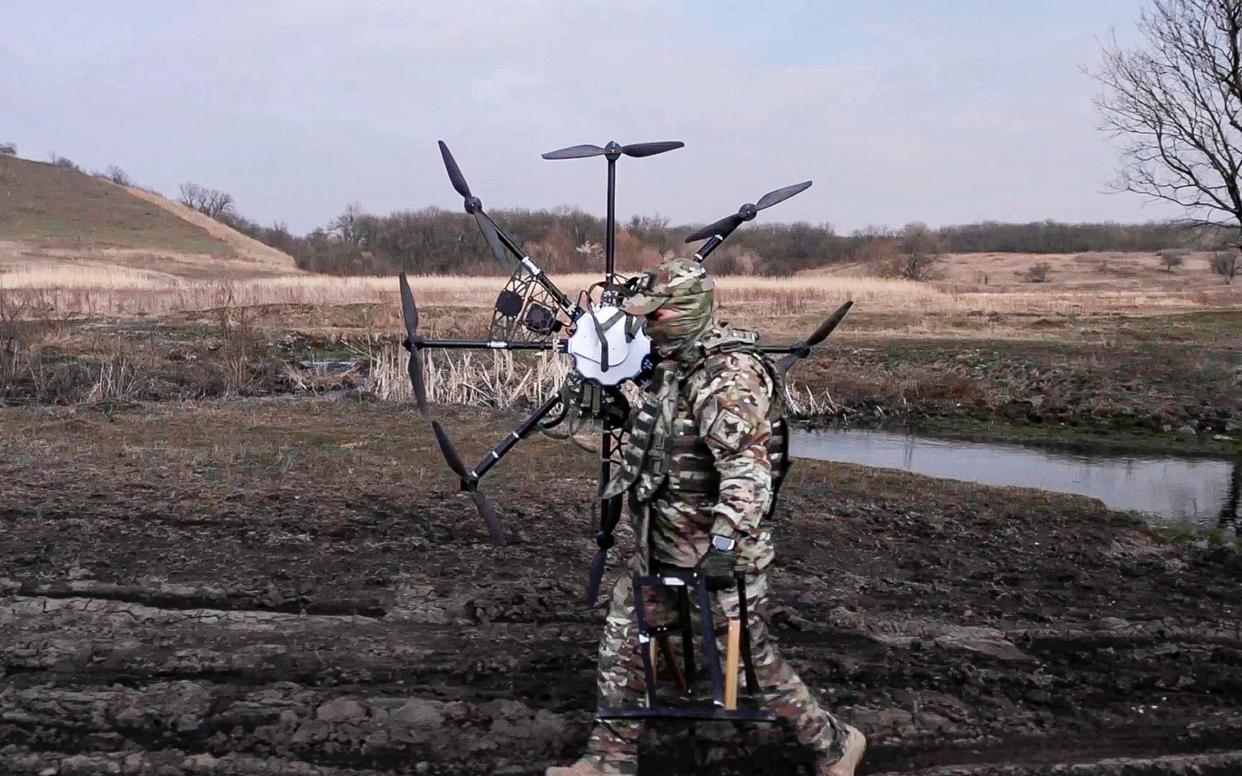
column 437, row 241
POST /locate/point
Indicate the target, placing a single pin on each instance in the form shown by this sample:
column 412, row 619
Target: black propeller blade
column 475, row 208
column 575, row 152
column 409, row 313
column 725, row 226
column 605, row 540
column 651, row 149
column 469, row 483
column 633, row 149
column 801, row 350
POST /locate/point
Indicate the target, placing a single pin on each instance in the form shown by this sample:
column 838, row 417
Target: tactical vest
column 684, row 463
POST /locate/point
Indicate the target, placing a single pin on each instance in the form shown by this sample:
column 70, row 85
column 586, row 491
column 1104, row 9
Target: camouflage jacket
column 718, row 457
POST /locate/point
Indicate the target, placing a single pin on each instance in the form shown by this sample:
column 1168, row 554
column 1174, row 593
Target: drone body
column 607, row 346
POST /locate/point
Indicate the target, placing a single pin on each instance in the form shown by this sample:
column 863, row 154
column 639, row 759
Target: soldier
column 699, row 475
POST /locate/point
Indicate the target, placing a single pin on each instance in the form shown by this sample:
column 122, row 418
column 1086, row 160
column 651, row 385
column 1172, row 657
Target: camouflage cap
column 674, row 278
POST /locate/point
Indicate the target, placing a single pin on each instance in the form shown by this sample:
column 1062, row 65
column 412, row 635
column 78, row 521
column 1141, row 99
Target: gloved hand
column 718, row 567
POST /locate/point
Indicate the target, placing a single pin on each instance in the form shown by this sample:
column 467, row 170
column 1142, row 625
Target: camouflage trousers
column 614, row 743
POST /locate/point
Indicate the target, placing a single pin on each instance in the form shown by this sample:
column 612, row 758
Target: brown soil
column 281, row 586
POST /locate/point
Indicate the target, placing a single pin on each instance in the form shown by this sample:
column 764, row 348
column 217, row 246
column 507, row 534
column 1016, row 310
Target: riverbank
column 269, row 585
column 1156, row 384
column 1169, row 383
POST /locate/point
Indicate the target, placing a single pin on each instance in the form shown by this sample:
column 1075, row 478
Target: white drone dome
column 625, row 353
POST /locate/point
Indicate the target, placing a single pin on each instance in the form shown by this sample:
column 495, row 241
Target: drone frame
column 529, row 286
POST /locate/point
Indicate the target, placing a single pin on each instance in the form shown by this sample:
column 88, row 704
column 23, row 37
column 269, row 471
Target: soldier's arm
column 731, row 411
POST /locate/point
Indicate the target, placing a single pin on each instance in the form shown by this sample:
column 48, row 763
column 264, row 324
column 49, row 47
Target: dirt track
column 273, row 586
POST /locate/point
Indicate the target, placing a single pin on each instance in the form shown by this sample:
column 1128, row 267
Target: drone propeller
column 725, row 226
column 475, row 208
column 800, row 350
column 633, row 149
column 409, row 313
column 469, row 483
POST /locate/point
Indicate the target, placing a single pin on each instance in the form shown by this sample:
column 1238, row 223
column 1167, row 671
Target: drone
column 607, row 347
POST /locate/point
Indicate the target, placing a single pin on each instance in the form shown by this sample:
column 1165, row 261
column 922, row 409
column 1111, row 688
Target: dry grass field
column 65, row 232
column 114, row 282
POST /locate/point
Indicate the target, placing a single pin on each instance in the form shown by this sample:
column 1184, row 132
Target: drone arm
column 564, row 302
column 449, row 344
column 712, row 244
column 521, row 432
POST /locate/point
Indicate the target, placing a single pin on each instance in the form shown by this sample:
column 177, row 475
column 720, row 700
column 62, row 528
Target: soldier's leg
column 781, row 690
column 619, row 682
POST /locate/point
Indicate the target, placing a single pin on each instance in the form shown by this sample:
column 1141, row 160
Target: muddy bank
column 276, row 586
column 1159, row 383
column 1156, row 397
column 1174, row 377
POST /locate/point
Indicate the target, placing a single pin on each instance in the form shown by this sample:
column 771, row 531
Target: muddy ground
column 272, row 585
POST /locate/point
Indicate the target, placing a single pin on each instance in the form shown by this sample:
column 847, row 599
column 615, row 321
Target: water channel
column 1199, row 492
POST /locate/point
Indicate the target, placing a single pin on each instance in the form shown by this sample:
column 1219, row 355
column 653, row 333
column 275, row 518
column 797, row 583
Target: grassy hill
column 54, row 219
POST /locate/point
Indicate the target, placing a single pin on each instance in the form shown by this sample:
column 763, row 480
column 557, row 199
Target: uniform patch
column 732, row 430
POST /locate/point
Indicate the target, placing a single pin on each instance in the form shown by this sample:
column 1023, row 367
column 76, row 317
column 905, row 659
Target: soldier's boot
column 611, row 751
column 853, row 748
column 589, row 766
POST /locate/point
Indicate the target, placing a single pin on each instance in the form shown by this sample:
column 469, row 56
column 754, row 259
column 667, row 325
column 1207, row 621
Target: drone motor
column 509, row 303
column 539, row 319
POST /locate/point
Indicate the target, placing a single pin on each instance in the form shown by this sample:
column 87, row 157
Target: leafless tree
column 8, row 149
column 1037, row 273
column 1177, row 102
column 62, row 162
column 920, row 249
column 209, row 202
column 117, row 175
column 1172, row 259
column 1225, row 264
column 350, row 226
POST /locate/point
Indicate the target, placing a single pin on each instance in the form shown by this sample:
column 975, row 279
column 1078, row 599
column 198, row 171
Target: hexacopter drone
column 607, row 346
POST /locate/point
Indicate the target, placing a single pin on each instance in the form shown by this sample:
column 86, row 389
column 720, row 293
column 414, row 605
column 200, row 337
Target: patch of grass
column 57, row 207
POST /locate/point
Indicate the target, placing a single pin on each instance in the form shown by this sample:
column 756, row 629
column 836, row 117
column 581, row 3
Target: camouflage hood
column 681, row 285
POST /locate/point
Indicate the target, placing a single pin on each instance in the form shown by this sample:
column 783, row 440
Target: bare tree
column 1225, row 264
column 117, row 175
column 1037, row 273
column 1172, row 259
column 920, row 249
column 62, row 162
column 209, row 202
column 1178, row 104
column 350, row 226
column 8, row 149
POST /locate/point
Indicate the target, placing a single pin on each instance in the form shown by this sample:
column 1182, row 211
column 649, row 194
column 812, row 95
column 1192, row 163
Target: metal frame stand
column 653, row 642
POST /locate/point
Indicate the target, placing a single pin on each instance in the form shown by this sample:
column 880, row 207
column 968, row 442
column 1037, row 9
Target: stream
column 1202, row 493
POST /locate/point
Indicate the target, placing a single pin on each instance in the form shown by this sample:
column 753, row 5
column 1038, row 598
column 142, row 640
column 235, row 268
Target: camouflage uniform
column 707, row 467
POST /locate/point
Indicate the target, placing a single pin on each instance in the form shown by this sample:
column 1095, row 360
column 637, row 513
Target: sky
column 944, row 111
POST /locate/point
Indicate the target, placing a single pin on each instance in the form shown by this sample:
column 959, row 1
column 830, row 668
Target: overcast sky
column 939, row 111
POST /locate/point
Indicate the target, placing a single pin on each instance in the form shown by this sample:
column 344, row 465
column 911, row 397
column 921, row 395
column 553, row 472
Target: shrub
column 62, row 162
column 1037, row 273
column 1171, row 259
column 1225, row 264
